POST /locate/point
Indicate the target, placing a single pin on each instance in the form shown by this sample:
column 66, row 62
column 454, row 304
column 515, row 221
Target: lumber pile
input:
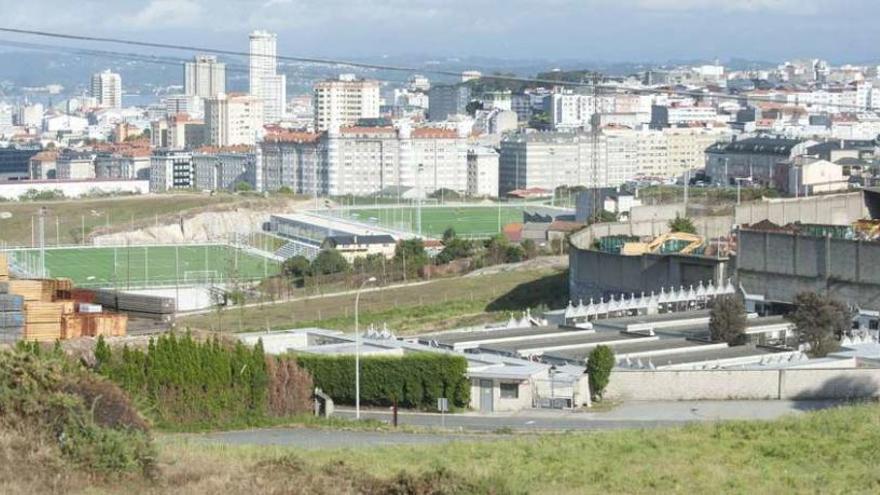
column 11, row 315
column 47, row 310
column 93, row 325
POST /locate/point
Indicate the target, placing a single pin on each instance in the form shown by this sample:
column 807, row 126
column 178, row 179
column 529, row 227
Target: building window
column 510, row 391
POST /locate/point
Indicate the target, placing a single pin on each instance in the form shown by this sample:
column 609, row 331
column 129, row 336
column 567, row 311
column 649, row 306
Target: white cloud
column 166, row 13
column 789, row 6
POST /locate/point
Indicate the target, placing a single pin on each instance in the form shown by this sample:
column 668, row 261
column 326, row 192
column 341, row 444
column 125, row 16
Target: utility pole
column 595, row 123
column 419, row 199
column 42, row 233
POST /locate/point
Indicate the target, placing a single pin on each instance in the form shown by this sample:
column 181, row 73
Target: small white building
column 820, row 176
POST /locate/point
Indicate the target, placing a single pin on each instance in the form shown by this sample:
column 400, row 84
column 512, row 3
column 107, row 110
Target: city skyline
column 654, row 30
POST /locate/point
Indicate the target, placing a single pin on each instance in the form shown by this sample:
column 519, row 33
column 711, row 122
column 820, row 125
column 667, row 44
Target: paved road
column 629, row 415
column 648, row 414
column 309, row 438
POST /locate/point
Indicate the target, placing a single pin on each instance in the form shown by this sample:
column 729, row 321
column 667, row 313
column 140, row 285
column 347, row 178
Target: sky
column 589, row 30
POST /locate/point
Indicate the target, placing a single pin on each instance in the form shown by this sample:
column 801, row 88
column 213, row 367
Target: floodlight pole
column 357, row 350
column 419, row 199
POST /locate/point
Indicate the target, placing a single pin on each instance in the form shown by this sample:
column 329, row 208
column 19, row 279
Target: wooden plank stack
column 11, row 315
column 93, row 325
column 46, row 311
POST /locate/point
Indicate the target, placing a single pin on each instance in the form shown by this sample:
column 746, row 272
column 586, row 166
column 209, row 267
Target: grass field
column 832, row 451
column 466, row 220
column 153, row 265
column 438, row 305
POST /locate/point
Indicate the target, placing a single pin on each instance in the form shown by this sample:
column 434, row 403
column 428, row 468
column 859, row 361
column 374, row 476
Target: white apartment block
column 366, row 160
column 551, row 159
column 263, row 79
column 482, row 172
column 570, row 111
column 343, row 101
column 204, row 77
column 31, row 115
column 106, row 88
column 547, row 160
column 233, row 119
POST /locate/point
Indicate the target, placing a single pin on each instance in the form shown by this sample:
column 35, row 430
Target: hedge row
column 186, row 383
column 414, row 380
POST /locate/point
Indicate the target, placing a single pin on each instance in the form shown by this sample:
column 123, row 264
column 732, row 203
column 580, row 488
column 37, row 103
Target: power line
column 397, row 68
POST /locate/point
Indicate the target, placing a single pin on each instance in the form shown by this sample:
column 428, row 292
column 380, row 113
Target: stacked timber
column 93, row 325
column 11, row 315
column 134, row 304
column 46, row 311
column 43, row 319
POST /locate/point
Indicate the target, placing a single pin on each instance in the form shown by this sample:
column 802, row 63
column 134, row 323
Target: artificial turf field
column 141, row 266
column 474, row 221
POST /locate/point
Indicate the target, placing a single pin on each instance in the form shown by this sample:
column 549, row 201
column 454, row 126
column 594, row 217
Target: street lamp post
column 357, row 350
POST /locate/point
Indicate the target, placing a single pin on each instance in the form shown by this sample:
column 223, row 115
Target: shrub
column 599, row 366
column 682, row 224
column 413, row 380
column 184, row 381
column 329, row 261
column 727, row 320
column 87, row 417
column 820, row 321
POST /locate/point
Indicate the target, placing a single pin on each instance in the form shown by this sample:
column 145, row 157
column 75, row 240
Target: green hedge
column 414, row 380
column 182, row 382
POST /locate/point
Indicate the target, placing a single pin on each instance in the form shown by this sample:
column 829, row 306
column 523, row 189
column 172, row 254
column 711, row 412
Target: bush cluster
column 413, row 380
column 185, row 383
column 91, row 421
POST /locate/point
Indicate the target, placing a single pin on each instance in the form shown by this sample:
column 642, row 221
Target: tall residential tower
column 106, row 89
column 204, row 77
column 264, row 81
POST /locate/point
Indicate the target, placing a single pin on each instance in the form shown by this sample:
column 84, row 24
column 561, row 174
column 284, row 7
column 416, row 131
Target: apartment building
column 106, row 89
column 171, row 170
column 447, row 100
column 204, row 77
column 295, row 160
column 264, row 81
column 751, row 158
column 482, row 163
column 75, row 165
column 233, row 119
column 217, row 169
column 129, row 165
column 341, row 102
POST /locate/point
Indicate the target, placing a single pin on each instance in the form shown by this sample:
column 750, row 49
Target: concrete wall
column 706, row 226
column 596, row 274
column 779, row 265
column 802, row 384
column 834, row 209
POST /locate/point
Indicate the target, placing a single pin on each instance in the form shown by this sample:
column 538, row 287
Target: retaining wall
column 800, row 384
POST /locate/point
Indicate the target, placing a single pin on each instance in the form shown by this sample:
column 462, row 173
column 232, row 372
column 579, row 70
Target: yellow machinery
column 688, row 242
column 867, row 229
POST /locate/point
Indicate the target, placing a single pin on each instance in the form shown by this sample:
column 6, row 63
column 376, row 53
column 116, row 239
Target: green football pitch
column 476, row 221
column 144, row 266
